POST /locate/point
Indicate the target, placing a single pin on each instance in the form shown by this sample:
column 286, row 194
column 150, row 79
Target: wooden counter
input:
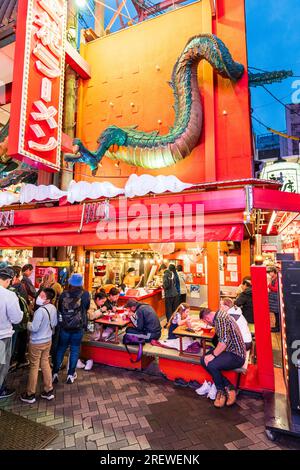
column 154, row 299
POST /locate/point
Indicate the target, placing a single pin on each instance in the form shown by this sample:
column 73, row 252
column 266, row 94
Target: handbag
column 134, row 339
column 193, row 348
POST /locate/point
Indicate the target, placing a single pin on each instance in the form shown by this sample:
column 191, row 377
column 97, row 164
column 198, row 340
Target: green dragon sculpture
column 149, row 149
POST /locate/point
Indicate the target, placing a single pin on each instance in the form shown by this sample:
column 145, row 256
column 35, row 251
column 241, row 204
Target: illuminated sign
column 37, row 96
column 288, row 174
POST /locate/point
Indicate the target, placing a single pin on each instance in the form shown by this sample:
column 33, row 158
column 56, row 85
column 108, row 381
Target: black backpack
column 71, row 313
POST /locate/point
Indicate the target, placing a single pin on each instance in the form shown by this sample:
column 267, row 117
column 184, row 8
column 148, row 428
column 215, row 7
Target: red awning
column 67, row 235
column 61, row 226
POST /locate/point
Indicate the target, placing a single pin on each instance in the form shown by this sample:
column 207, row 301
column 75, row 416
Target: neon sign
column 37, row 95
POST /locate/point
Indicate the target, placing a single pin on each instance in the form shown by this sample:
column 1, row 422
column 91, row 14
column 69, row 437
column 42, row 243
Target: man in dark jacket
column 244, row 300
column 145, row 320
column 171, row 292
column 26, row 281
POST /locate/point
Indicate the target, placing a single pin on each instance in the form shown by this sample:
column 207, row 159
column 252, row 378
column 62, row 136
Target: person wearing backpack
column 171, row 292
column 72, row 312
column 41, row 329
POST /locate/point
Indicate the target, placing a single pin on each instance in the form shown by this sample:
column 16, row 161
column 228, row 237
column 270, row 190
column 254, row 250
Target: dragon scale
column 149, row 149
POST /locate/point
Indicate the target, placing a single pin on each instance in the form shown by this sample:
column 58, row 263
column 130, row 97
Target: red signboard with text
column 35, row 129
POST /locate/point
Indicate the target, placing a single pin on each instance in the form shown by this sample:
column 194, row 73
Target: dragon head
column 80, row 153
column 112, row 136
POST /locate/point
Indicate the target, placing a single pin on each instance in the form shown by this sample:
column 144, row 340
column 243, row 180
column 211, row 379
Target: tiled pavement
column 109, row 408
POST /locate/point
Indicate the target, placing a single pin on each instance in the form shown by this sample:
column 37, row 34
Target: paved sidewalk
column 109, row 408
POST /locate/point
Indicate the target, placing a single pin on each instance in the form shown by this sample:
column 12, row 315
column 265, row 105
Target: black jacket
column 110, row 305
column 244, row 301
column 169, row 284
column 148, row 321
column 29, row 287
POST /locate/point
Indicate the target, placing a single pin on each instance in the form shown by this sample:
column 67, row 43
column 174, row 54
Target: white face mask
column 39, row 301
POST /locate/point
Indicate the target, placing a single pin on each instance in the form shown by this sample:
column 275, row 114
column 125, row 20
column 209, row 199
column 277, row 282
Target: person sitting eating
column 97, row 310
column 97, row 307
column 180, row 317
column 112, row 300
column 227, row 306
column 145, row 320
column 229, row 354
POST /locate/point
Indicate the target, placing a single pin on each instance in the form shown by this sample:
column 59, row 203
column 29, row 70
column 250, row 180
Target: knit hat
column 76, row 280
column 7, row 272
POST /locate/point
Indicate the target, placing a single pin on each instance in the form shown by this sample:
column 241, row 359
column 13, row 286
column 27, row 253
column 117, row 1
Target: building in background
column 292, row 115
column 268, row 146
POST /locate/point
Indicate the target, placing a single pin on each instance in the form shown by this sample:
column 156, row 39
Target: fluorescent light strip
column 271, row 222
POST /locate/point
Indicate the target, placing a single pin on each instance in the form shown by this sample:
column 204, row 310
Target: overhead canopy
column 133, row 221
column 224, row 213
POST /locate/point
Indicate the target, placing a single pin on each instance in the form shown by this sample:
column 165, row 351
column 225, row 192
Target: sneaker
column 6, row 393
column 80, row 364
column 220, row 399
column 181, row 382
column 204, row 389
column 55, row 378
column 89, row 364
column 71, row 378
column 231, row 397
column 27, row 398
column 48, row 395
column 212, row 392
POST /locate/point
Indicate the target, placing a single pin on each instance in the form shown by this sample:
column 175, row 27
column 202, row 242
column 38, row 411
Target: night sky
column 273, row 35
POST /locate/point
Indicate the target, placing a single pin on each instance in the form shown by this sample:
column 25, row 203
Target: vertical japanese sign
column 38, row 83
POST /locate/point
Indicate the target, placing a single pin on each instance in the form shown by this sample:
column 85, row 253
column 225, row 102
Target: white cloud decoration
column 7, row 198
column 78, row 192
column 144, row 184
column 30, row 192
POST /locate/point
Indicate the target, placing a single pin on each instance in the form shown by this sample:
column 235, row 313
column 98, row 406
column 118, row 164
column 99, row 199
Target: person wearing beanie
column 72, row 316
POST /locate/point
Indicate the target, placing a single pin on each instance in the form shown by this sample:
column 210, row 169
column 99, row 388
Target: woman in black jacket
column 244, row 300
column 171, row 292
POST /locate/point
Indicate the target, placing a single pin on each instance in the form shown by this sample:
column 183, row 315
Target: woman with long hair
column 49, row 281
column 180, row 317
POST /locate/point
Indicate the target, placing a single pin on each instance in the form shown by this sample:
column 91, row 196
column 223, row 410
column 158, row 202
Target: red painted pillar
column 262, row 328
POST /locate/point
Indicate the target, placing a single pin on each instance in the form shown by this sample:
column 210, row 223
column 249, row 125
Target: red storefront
column 234, row 210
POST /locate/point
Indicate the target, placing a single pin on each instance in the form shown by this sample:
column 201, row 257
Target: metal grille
column 18, row 433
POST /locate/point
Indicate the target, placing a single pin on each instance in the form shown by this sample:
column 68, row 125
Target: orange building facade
column 130, row 71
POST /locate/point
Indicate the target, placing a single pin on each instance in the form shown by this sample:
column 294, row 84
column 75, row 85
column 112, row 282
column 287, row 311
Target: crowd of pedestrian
column 38, row 326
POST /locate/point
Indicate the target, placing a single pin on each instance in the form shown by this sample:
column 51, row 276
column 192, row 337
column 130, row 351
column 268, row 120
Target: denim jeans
column 5, row 356
column 225, row 361
column 66, row 339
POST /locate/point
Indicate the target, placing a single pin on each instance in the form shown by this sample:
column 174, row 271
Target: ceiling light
column 81, row 3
